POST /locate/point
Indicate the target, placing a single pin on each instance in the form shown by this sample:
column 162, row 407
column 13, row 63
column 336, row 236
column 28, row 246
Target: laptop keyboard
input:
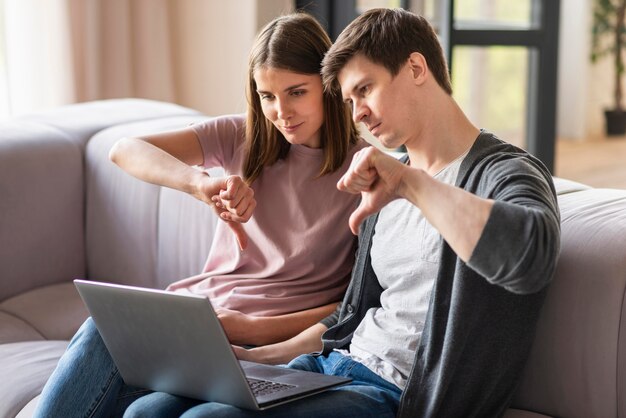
column 266, row 387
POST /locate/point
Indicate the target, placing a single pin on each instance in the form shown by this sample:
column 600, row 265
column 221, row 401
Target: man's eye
column 297, row 93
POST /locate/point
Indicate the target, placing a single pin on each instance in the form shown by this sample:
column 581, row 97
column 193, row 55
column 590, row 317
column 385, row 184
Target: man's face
column 379, row 100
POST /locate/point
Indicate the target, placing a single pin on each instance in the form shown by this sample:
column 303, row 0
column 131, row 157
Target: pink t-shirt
column 300, row 251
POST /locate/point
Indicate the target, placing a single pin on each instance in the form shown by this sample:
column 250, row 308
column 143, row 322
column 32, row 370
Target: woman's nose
column 284, row 110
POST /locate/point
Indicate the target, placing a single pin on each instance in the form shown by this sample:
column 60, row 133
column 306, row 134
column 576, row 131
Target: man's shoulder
column 490, row 153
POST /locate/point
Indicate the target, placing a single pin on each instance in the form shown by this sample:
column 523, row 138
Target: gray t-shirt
column 387, row 338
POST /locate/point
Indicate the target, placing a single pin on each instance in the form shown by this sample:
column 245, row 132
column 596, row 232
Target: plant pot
column 615, row 122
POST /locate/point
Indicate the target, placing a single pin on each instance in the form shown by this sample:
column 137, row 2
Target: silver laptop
column 174, row 343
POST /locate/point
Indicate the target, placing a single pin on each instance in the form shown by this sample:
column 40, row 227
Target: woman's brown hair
column 297, row 43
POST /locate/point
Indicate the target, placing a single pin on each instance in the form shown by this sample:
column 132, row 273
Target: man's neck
column 445, row 136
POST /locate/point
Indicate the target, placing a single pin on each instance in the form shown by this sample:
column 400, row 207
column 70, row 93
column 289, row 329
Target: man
column 457, row 244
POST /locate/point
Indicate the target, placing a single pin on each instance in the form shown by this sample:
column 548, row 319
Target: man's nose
column 359, row 111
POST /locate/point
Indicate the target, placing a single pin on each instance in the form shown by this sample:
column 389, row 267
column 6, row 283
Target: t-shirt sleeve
column 220, row 139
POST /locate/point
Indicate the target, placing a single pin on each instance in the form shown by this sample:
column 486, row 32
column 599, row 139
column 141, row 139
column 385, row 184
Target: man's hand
column 377, row 177
column 232, row 199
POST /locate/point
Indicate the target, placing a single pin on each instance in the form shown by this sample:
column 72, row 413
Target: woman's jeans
column 86, row 382
column 367, row 396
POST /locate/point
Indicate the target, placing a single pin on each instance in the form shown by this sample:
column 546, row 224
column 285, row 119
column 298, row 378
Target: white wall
column 584, row 89
column 213, row 39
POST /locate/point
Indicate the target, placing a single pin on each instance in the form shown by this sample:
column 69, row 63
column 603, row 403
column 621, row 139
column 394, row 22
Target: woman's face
column 293, row 102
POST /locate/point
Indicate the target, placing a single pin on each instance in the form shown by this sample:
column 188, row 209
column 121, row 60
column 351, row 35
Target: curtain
column 190, row 52
column 37, row 55
column 121, row 49
column 66, row 51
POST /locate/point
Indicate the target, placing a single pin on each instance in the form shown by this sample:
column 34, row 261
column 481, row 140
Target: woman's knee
column 159, row 404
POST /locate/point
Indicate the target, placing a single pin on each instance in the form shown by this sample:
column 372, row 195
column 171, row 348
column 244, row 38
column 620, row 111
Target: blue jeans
column 367, row 396
column 86, row 382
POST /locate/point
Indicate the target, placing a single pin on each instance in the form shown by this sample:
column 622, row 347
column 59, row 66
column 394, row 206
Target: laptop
column 174, row 343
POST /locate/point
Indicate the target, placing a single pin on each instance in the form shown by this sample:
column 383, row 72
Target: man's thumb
column 357, row 217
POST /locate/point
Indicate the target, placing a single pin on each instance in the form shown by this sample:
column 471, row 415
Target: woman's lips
column 292, row 128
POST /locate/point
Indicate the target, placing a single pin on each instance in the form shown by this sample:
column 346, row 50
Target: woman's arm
column 245, row 329
column 166, row 159
column 308, row 341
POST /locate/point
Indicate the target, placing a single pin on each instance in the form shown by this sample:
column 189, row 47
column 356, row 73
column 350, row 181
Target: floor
column 598, row 163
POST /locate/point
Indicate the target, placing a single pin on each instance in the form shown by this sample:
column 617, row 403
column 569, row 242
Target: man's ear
column 419, row 67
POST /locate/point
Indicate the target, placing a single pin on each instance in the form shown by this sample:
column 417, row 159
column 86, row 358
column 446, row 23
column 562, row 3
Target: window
column 502, row 56
column 508, row 52
column 490, row 84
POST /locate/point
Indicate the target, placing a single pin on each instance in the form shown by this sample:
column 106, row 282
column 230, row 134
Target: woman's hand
column 232, row 199
column 308, row 341
column 236, row 199
column 238, row 326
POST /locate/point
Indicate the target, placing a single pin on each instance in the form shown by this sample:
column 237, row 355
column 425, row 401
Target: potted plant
column 609, row 38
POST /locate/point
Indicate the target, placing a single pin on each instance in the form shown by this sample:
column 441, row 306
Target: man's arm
column 245, row 329
column 459, row 216
column 511, row 238
column 308, row 341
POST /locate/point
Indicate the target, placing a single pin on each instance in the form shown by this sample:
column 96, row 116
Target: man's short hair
column 387, row 37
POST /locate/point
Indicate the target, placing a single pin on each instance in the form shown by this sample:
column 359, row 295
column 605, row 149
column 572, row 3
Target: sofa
column 67, row 212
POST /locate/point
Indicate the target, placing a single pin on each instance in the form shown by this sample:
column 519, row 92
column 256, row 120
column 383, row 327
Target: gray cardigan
column 482, row 314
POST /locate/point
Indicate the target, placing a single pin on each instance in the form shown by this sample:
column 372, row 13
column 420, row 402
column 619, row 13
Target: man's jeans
column 86, row 382
column 367, row 396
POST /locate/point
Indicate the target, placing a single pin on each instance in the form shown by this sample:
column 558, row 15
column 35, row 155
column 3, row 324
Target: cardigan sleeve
column 520, row 243
column 333, row 318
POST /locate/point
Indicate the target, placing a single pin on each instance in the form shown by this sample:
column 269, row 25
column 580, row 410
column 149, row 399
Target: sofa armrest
column 41, row 208
column 577, row 366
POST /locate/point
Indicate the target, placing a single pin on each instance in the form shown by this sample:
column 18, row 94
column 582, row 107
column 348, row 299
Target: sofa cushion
column 186, row 230
column 564, row 186
column 518, row 413
column 55, row 312
column 13, row 329
column 82, row 120
column 122, row 229
column 29, row 410
column 24, row 369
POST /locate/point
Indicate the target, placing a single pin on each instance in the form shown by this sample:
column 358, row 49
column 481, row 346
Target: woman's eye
column 297, row 93
column 266, row 96
column 365, row 90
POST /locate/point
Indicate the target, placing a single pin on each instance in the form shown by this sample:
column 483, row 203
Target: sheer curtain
column 65, row 51
column 36, row 55
column 190, row 52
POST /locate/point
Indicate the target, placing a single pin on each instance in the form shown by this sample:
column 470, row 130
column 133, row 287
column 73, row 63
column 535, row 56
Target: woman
column 285, row 260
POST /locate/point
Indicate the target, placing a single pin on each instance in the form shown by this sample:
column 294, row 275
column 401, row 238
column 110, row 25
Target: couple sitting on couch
column 457, row 242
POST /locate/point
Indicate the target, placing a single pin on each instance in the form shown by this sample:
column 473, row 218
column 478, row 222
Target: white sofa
column 66, row 212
